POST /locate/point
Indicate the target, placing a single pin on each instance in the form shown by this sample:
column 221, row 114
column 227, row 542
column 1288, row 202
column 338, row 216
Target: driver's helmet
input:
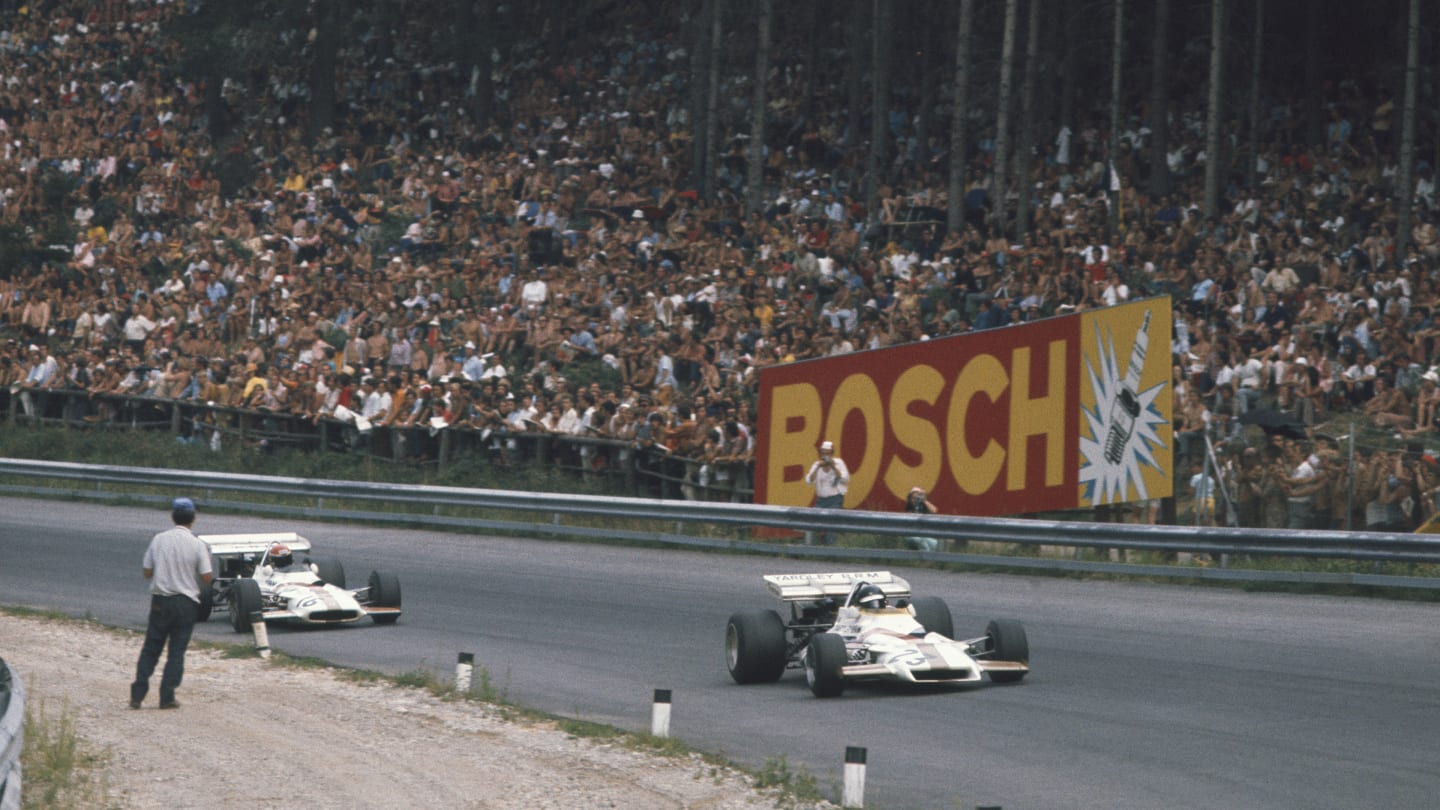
column 869, row 597
column 280, row 556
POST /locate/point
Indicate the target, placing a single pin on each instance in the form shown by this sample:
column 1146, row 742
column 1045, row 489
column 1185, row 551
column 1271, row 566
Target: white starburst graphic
column 1108, row 477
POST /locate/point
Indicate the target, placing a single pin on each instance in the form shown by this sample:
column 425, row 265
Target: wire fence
column 641, row 471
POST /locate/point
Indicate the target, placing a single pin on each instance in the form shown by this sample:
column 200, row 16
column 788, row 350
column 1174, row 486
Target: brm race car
column 866, row 626
column 271, row 576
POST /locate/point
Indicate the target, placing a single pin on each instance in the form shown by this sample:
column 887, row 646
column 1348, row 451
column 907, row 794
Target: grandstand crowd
column 558, row 272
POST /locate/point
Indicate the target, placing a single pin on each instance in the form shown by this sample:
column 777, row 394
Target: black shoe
column 134, row 704
column 174, row 704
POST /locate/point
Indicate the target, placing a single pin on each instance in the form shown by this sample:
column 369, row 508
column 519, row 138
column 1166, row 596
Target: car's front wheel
column 1008, row 643
column 755, row 646
column 384, row 592
column 244, row 599
column 824, row 659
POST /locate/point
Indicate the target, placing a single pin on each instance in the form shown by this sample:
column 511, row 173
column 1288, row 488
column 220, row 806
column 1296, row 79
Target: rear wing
column 225, row 545
column 813, row 587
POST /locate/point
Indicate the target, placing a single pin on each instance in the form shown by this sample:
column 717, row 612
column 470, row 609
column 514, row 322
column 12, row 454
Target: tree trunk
column 929, row 46
column 998, row 182
column 1160, row 102
column 1405, row 177
column 1069, row 65
column 855, row 44
column 959, row 116
column 1314, row 61
column 712, row 102
column 817, row 23
column 1117, row 59
column 699, row 54
column 1024, row 184
column 479, row 35
column 875, row 163
column 322, row 69
column 755, row 168
column 1212, row 123
column 1257, row 52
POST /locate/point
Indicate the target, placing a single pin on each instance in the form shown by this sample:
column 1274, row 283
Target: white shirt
column 829, row 482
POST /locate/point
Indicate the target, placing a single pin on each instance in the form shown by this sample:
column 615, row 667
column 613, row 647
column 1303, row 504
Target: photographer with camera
column 918, row 502
column 831, row 479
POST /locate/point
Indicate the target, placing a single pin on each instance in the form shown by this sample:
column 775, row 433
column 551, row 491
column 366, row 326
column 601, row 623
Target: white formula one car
column 270, row 576
column 865, row 626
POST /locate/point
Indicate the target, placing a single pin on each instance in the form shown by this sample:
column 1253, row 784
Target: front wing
column 927, row 662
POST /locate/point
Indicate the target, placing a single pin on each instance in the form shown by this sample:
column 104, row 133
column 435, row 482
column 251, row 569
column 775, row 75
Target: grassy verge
column 60, row 769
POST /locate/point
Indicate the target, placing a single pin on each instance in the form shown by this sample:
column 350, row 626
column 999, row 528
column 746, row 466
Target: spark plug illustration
column 1127, row 402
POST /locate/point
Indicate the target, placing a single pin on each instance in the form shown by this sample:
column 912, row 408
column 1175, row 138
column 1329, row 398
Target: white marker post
column 464, row 668
column 854, row 792
column 262, row 634
column 660, row 714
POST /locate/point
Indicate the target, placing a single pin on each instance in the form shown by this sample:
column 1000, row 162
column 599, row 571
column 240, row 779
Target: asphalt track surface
column 1141, row 695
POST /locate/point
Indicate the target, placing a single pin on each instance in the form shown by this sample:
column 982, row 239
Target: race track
column 1141, row 695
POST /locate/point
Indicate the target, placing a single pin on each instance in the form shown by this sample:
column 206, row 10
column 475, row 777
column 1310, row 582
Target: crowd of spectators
column 559, row 272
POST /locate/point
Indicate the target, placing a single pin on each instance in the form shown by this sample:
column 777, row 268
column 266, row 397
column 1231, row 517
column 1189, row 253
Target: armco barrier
column 12, row 736
column 117, row 484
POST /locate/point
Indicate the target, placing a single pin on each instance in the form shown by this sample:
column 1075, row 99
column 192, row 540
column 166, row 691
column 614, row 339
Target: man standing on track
column 177, row 564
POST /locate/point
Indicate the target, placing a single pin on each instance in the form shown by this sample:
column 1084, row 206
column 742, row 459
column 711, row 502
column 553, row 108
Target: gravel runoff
column 250, row 734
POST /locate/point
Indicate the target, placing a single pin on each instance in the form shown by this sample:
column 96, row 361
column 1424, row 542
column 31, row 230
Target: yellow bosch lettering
column 983, row 374
column 1037, row 416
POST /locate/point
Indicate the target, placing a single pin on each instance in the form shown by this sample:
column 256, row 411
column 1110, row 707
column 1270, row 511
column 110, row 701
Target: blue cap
column 182, row 505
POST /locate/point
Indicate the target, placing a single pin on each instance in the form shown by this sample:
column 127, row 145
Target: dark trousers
column 172, row 618
column 829, row 502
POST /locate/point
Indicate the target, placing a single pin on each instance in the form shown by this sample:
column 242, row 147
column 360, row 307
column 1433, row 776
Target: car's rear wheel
column 755, row 646
column 1008, row 643
column 207, row 602
column 244, row 599
column 934, row 615
column 330, row 571
column 384, row 592
column 824, row 658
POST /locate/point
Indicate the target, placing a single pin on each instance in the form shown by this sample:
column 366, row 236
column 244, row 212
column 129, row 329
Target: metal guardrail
column 107, row 483
column 12, row 735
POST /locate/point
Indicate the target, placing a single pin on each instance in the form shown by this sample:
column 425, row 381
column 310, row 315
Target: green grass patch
column 60, row 769
column 793, row 781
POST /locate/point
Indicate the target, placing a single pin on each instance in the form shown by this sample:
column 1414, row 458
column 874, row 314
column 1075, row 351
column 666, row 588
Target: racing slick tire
column 934, row 615
column 244, row 600
column 384, row 592
column 755, row 646
column 824, row 658
column 1008, row 643
column 331, row 572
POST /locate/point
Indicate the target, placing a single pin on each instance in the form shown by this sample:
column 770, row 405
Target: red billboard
column 1060, row 413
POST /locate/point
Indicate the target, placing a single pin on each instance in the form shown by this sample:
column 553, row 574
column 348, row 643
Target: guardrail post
column 660, row 714
column 324, row 426
column 854, row 792
column 464, row 669
column 175, row 417
column 262, row 634
column 444, row 453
